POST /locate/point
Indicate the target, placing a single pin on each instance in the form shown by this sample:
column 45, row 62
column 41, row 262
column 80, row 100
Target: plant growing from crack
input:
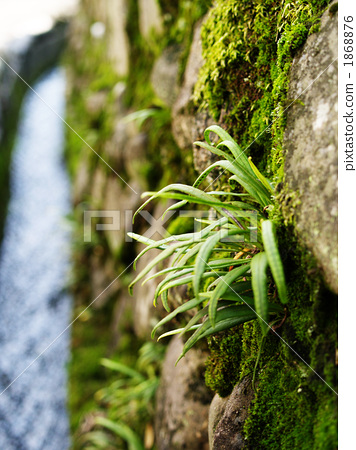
column 228, row 254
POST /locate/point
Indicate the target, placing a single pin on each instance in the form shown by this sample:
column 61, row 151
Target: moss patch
column 224, row 361
column 291, row 412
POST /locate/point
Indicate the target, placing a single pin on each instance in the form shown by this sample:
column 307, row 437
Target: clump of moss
column 223, row 364
column 290, row 411
column 293, row 407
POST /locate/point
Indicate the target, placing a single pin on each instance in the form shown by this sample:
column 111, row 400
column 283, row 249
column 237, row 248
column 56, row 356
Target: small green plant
column 226, row 262
column 128, row 402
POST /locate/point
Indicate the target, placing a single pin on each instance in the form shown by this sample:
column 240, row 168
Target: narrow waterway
column 34, row 265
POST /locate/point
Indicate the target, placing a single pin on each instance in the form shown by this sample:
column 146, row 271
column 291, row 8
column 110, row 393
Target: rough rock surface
column 310, row 142
column 228, row 434
column 216, row 411
column 182, row 401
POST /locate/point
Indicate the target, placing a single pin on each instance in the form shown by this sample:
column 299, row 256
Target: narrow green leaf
column 165, row 254
column 122, row 368
column 274, row 259
column 240, row 158
column 225, row 318
column 235, row 194
column 190, row 304
column 215, row 150
column 222, row 287
column 182, row 259
column 193, row 237
column 176, row 331
column 216, row 264
column 165, row 272
column 206, row 199
column 203, row 312
column 250, row 184
column 164, row 299
column 188, row 279
column 234, row 296
column 198, row 236
column 227, row 141
column 146, row 241
column 159, row 245
column 203, row 257
column 259, row 175
column 167, row 280
column 259, row 285
column 240, row 286
column 224, row 135
column 123, row 431
column 175, row 206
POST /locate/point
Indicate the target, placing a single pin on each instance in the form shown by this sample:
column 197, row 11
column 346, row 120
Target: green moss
column 289, row 412
column 223, row 364
column 293, row 407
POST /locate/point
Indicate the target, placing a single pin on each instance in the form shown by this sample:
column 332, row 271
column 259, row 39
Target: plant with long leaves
column 234, row 290
column 128, row 402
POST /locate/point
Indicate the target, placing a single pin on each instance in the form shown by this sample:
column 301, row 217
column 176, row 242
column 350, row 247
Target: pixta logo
column 117, row 221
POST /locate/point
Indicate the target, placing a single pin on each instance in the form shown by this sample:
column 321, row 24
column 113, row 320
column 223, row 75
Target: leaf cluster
column 235, row 288
column 128, row 401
